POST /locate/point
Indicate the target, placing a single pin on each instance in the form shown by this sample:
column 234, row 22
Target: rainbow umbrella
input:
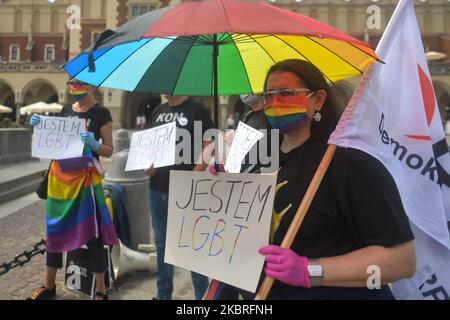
column 215, row 47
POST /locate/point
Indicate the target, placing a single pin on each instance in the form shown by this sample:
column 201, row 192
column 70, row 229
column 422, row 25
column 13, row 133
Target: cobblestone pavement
column 22, row 229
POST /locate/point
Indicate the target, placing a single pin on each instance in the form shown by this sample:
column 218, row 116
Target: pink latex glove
column 213, row 171
column 286, row 266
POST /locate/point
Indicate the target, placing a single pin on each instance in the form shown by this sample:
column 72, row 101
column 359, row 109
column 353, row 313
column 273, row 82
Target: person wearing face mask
column 356, row 219
column 187, row 113
column 255, row 119
column 76, row 209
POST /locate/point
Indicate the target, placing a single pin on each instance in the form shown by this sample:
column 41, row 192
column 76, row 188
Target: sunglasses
column 76, row 83
column 283, row 95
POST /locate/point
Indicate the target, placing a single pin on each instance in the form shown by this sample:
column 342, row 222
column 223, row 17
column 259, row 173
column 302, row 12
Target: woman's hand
column 214, row 171
column 150, row 171
column 229, row 136
column 88, row 138
column 35, row 119
column 286, row 266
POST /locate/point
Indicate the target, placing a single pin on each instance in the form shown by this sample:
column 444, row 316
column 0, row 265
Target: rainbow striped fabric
column 78, row 93
column 73, row 199
column 287, row 113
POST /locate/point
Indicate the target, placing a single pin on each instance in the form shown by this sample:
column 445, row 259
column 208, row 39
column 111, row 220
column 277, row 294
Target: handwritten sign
column 58, row 138
column 155, row 145
column 216, row 224
column 244, row 139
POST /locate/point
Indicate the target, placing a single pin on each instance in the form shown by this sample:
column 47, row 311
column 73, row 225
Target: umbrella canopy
column 216, row 47
column 41, row 107
column 4, row 109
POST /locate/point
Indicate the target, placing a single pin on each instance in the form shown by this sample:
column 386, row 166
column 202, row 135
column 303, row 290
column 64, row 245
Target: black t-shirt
column 256, row 119
column 185, row 115
column 96, row 118
column 357, row 203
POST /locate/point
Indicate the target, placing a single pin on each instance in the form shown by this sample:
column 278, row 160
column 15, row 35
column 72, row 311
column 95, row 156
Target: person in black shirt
column 99, row 126
column 185, row 112
column 356, row 219
column 254, row 118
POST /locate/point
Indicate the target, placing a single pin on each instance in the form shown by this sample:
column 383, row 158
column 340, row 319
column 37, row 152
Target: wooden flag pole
column 263, row 291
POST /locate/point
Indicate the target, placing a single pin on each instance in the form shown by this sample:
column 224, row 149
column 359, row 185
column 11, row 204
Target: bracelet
column 315, row 271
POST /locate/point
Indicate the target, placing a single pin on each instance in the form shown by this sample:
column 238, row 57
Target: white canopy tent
column 434, row 55
column 41, row 107
column 4, row 109
column 55, row 107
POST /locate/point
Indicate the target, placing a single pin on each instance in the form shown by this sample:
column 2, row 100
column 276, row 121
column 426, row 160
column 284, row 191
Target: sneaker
column 43, row 294
column 100, row 296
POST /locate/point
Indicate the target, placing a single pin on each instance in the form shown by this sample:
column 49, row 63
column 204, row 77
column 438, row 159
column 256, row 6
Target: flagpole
column 263, row 291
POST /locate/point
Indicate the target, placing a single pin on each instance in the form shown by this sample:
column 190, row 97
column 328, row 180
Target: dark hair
column 314, row 80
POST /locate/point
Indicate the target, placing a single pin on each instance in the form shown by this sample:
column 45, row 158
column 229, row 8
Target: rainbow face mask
column 78, row 93
column 286, row 113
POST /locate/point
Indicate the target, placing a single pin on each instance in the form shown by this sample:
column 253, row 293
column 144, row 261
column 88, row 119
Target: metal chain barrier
column 23, row 258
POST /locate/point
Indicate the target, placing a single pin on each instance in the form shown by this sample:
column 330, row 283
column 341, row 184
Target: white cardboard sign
column 244, row 139
column 216, row 224
column 155, row 145
column 58, row 138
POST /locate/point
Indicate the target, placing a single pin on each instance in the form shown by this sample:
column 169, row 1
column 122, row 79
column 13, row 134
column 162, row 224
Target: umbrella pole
column 216, row 94
column 216, row 81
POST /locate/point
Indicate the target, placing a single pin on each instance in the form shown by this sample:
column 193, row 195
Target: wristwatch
column 315, row 271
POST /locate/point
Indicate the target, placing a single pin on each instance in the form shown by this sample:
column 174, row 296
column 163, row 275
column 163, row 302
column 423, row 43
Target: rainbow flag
column 73, row 198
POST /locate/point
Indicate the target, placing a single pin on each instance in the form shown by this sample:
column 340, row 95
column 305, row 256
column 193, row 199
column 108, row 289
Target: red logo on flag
column 429, row 101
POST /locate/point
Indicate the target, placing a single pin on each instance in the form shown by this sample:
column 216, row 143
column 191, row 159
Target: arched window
column 36, row 24
column 54, row 28
column 447, row 20
column 332, row 17
column 86, row 9
column 427, row 21
column 18, row 21
column 103, row 9
column 351, row 21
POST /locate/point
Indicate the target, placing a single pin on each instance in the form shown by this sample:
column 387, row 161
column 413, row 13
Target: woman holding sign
column 355, row 236
column 76, row 209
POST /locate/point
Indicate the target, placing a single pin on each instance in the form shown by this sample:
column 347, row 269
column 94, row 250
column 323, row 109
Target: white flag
column 394, row 116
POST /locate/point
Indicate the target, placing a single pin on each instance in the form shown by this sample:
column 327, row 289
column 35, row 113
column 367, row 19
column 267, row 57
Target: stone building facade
column 39, row 36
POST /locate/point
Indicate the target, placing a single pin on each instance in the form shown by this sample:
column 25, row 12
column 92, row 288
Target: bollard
column 121, row 140
column 136, row 186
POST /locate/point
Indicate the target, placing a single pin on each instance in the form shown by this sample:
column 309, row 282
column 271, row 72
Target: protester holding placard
column 76, row 210
column 356, row 223
column 185, row 112
column 254, row 118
